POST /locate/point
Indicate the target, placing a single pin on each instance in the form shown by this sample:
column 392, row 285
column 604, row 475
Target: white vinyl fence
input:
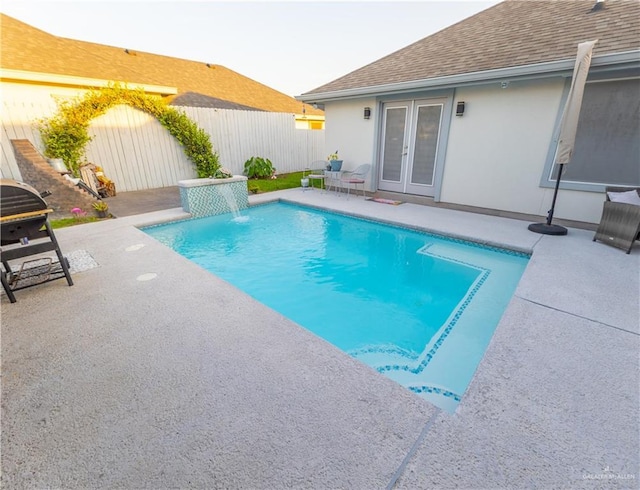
column 137, row 153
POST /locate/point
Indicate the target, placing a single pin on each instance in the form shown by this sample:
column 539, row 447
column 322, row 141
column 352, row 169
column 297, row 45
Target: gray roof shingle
column 26, row 48
column 193, row 99
column 509, row 34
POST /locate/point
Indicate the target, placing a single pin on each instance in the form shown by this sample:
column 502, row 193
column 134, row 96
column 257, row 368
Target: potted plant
column 335, row 162
column 222, row 173
column 101, row 209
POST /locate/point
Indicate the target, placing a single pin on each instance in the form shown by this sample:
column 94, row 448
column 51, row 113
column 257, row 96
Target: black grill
column 23, row 220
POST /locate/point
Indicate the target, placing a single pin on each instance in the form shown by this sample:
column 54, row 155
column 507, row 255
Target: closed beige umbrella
column 571, row 113
column 568, row 129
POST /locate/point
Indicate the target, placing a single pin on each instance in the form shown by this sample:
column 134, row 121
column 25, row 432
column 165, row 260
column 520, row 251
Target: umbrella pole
column 547, row 228
column 555, row 195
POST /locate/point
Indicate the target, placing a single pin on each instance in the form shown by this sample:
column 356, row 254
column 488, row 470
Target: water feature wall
column 207, row 197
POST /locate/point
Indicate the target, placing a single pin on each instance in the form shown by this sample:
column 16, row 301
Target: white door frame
column 401, row 181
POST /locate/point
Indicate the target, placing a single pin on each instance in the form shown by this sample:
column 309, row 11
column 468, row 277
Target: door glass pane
column 393, row 143
column 424, row 155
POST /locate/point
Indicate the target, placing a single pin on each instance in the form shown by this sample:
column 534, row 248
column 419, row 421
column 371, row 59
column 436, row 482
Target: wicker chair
column 620, row 222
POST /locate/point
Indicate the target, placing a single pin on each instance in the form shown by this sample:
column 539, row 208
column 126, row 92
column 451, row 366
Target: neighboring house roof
column 510, row 34
column 26, row 48
column 192, row 99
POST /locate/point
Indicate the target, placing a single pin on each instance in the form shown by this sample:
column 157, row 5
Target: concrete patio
column 152, row 373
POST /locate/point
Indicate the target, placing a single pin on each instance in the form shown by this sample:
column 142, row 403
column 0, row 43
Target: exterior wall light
column 460, row 109
column 367, row 112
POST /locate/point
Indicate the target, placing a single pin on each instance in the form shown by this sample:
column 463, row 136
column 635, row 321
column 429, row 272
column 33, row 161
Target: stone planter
column 208, row 197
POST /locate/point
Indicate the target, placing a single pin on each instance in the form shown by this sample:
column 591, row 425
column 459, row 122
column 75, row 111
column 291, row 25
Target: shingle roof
column 511, row 33
column 192, row 99
column 23, row 47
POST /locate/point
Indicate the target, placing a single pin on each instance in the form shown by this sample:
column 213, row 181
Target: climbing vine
column 66, row 134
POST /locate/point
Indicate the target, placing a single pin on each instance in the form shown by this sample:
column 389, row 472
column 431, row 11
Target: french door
column 409, row 145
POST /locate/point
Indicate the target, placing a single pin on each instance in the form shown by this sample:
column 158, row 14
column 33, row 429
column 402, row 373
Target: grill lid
column 18, row 197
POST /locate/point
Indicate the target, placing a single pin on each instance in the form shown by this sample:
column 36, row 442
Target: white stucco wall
column 497, row 151
column 22, row 92
column 347, row 131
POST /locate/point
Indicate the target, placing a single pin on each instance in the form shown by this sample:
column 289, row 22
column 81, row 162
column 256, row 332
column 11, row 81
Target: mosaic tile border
column 213, row 199
column 484, row 246
column 442, row 337
column 436, row 391
column 506, row 251
column 411, row 356
column 452, row 322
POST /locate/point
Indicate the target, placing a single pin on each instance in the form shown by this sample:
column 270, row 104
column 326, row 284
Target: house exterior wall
column 26, row 92
column 497, row 151
column 347, row 131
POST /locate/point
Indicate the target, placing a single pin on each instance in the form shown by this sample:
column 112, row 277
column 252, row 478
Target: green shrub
column 194, row 140
column 66, row 134
column 258, row 168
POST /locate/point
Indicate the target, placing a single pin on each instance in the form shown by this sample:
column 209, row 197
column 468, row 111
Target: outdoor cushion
column 629, row 197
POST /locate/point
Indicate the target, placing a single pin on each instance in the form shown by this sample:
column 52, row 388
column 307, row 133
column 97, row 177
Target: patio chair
column 355, row 177
column 620, row 222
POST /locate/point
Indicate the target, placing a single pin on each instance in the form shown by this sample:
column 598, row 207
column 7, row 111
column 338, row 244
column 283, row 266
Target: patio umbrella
column 568, row 129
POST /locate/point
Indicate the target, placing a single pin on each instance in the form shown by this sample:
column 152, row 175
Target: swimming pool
column 418, row 308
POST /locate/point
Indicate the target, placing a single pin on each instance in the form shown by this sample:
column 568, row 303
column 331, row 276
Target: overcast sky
column 292, row 47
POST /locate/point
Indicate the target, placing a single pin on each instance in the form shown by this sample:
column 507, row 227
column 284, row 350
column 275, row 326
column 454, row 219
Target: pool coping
column 535, row 414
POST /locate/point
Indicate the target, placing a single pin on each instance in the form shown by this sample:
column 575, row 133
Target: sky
column 293, row 47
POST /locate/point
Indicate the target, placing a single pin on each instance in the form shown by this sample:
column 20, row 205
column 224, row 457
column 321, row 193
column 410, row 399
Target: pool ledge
column 209, row 197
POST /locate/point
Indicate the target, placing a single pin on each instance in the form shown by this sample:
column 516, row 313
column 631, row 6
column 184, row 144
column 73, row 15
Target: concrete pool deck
column 179, row 380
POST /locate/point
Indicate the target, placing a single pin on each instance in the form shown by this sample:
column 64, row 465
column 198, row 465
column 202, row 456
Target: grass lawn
column 283, row 181
column 64, row 222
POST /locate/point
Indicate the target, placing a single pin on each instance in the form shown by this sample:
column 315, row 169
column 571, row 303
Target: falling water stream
column 233, row 204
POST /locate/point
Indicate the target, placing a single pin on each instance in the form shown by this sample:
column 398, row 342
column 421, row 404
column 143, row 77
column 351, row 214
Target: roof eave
column 627, row 59
column 8, row 75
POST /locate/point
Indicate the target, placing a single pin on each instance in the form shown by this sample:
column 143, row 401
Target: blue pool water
column 418, row 308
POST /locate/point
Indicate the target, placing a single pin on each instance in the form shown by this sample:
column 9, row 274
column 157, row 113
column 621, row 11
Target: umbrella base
column 546, row 229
